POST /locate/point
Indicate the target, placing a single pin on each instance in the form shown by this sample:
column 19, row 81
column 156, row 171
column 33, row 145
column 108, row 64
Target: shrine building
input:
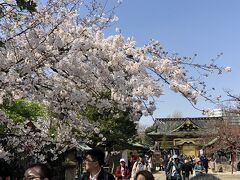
column 183, row 135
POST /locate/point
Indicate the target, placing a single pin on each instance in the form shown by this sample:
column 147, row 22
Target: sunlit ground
column 222, row 176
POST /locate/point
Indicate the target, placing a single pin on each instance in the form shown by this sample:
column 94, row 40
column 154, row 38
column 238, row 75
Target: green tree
column 143, row 137
column 19, row 111
column 115, row 125
column 148, row 140
column 22, row 110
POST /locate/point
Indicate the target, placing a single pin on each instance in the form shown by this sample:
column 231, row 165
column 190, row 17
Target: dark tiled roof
column 171, row 126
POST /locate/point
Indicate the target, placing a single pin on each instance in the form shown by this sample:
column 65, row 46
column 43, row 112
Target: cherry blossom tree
column 233, row 102
column 59, row 56
column 226, row 136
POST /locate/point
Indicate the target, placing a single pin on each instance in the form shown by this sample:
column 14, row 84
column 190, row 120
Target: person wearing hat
column 140, row 165
column 174, row 169
column 122, row 172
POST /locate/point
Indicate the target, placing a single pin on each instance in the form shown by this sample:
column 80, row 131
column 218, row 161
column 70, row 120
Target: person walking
column 186, row 170
column 94, row 162
column 140, row 165
column 166, row 161
column 133, row 159
column 174, row 168
column 198, row 168
column 204, row 161
column 122, row 172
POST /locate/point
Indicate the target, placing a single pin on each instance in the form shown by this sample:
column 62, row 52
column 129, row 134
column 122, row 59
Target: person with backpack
column 140, row 165
column 174, row 169
column 94, row 161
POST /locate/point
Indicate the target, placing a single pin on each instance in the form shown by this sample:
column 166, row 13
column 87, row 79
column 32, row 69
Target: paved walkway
column 223, row 176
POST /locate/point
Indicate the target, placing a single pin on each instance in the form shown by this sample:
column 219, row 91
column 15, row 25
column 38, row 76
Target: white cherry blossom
column 62, row 59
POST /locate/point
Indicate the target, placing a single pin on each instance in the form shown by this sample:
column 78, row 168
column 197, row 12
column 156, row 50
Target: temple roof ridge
column 190, row 118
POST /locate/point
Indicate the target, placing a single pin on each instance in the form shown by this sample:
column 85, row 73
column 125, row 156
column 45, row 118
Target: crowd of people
column 181, row 167
column 176, row 168
column 94, row 169
column 137, row 168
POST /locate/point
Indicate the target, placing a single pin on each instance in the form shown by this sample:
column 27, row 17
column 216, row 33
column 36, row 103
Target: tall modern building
column 231, row 115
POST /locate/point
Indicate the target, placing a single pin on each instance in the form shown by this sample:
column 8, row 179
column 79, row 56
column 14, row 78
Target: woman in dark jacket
column 186, row 169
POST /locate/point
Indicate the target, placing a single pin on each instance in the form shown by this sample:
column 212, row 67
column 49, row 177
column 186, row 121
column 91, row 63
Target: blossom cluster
column 57, row 57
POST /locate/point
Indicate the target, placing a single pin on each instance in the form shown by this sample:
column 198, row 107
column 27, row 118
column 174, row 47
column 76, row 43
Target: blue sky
column 204, row 27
